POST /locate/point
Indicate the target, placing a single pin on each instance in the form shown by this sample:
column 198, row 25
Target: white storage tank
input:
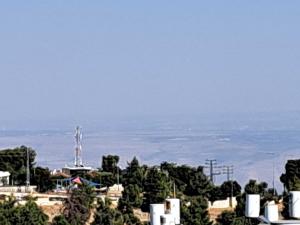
column 173, row 208
column 252, row 205
column 294, row 204
column 156, row 210
column 167, row 219
column 271, row 212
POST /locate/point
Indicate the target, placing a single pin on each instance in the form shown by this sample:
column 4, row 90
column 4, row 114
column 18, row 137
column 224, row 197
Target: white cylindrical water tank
column 156, row 210
column 167, row 219
column 271, row 212
column 173, row 208
column 294, row 204
column 252, row 205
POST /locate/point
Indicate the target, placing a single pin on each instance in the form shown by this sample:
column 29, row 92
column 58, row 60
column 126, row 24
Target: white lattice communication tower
column 78, row 148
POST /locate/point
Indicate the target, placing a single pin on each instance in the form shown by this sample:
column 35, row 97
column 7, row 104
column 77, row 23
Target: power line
column 212, row 165
column 228, row 170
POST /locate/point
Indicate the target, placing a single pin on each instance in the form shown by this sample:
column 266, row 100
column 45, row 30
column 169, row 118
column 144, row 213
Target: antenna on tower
column 78, row 148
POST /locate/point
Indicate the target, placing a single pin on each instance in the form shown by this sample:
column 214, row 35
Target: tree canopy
column 15, row 161
column 291, row 177
column 78, row 205
column 191, row 181
column 106, row 215
column 28, row 214
column 110, row 170
column 194, row 211
column 291, row 182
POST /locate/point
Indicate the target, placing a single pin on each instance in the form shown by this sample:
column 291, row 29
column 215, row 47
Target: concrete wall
column 220, row 204
column 18, row 189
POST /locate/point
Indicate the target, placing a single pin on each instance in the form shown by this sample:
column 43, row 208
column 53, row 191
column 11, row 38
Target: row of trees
column 80, row 207
column 15, row 162
column 28, row 214
column 144, row 185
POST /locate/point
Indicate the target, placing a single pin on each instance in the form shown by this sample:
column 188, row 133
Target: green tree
column 28, row 214
column 255, row 188
column 105, row 215
column 110, row 170
column 60, row 220
column 215, row 194
column 291, row 177
column 109, row 163
column 78, row 205
column 129, row 200
column 157, row 187
column 15, row 161
column 132, row 195
column 133, row 179
column 107, row 179
column 42, row 178
column 230, row 187
column 291, row 182
column 226, row 218
column 7, row 211
column 194, row 211
column 189, row 180
column 134, row 174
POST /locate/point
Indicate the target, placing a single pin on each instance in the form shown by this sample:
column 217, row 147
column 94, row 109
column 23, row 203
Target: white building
column 165, row 214
column 4, row 178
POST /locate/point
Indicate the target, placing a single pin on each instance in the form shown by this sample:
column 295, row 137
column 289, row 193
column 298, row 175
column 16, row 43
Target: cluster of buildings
column 271, row 214
column 167, row 213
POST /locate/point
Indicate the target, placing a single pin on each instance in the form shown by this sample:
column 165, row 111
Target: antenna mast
column 78, row 148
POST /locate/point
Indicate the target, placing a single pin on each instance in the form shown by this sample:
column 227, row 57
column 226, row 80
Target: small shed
column 4, row 178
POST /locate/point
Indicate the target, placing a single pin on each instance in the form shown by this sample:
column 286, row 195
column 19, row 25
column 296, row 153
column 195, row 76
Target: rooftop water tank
column 156, row 210
column 294, row 204
column 173, row 208
column 252, row 205
column 271, row 212
column 167, row 219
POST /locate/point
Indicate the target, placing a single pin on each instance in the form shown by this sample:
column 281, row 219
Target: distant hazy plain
column 250, row 143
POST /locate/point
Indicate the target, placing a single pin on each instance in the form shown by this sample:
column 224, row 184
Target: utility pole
column 212, row 165
column 273, row 177
column 174, row 189
column 118, row 178
column 27, row 169
column 273, row 169
column 228, row 170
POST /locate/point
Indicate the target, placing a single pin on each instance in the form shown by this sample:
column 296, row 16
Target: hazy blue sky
column 75, row 59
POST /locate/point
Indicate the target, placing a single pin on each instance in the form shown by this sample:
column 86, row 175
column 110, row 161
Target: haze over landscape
column 177, row 81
